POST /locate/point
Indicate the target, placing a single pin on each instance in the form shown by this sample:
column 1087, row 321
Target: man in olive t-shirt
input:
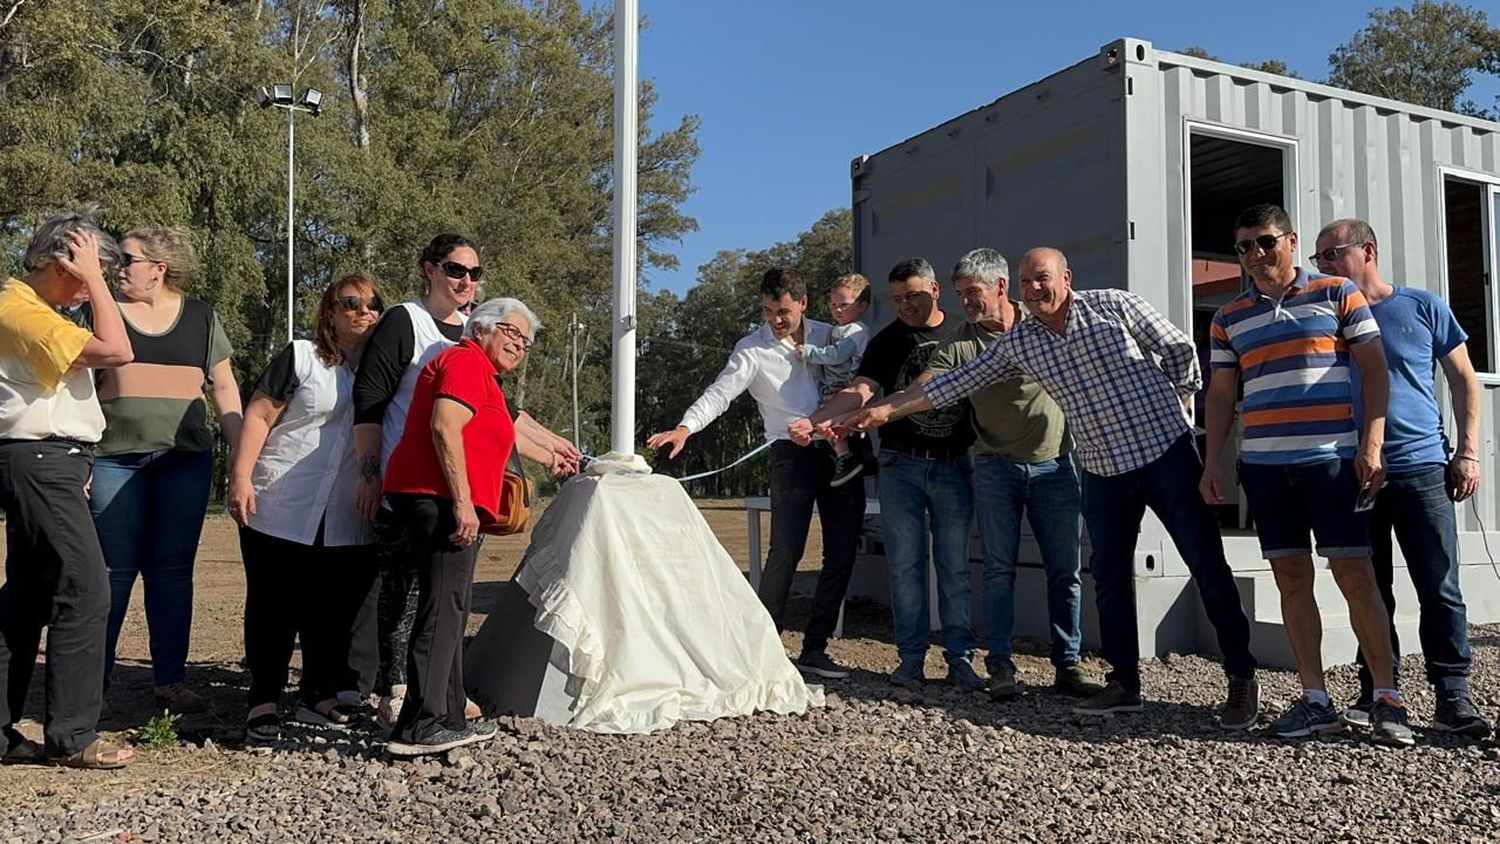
column 1022, row 461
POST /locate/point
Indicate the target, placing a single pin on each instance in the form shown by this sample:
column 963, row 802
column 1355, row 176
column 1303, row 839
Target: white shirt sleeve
column 733, row 380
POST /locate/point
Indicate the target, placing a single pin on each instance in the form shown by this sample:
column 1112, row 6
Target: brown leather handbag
column 515, row 502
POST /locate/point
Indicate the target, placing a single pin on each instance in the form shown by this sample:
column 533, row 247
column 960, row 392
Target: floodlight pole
column 622, row 426
column 291, row 164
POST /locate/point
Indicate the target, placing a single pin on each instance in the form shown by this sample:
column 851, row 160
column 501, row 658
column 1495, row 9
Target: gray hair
column 1354, row 230
column 984, row 265
column 492, row 311
column 49, row 243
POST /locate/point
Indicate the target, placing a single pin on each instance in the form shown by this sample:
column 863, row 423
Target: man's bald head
column 1045, row 256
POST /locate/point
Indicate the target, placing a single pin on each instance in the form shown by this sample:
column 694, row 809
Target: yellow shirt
column 41, row 393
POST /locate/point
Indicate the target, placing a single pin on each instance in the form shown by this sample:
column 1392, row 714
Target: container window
column 1470, row 241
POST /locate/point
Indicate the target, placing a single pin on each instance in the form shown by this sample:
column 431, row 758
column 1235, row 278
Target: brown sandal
column 99, row 756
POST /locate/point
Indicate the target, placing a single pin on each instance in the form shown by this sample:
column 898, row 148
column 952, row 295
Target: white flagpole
column 622, row 411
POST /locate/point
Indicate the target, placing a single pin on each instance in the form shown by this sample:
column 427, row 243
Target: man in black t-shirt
column 925, row 474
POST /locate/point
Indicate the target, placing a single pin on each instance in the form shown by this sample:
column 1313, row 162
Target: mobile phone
column 1366, row 499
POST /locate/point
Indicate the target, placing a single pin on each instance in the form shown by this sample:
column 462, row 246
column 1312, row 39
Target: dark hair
column 325, row 339
column 1264, row 214
column 439, row 247
column 912, row 267
column 782, row 280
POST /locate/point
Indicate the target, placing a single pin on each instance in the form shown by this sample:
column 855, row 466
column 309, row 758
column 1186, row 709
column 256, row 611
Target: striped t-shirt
column 1293, row 357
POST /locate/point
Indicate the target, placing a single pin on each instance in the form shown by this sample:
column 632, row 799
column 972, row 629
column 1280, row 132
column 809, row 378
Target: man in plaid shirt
column 1123, row 375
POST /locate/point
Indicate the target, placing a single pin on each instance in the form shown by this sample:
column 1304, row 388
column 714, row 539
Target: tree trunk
column 357, row 93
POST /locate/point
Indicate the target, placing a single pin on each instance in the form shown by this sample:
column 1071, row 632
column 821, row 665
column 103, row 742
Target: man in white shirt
column 765, row 362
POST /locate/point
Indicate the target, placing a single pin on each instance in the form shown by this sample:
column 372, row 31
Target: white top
column 429, row 342
column 307, row 470
column 30, row 411
column 782, row 385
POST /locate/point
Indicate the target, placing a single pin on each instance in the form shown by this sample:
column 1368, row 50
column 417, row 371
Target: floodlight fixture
column 312, row 100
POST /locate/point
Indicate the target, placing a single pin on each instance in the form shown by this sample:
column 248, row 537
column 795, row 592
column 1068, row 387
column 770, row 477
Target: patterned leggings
column 397, row 611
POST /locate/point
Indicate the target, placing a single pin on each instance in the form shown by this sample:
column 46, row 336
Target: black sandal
column 335, row 715
column 263, row 728
column 21, row 750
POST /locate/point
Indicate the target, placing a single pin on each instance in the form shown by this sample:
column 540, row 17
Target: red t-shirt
column 464, row 374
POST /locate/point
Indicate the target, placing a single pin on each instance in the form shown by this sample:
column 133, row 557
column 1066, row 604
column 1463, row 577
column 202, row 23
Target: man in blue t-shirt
column 1419, row 331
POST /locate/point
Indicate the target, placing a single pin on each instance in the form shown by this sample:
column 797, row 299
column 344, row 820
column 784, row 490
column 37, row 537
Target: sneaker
column 961, row 674
column 846, row 467
column 1458, row 715
column 1242, row 707
column 1358, row 715
column 1305, row 718
column 1003, row 685
column 1076, row 681
column 438, row 742
column 178, row 699
column 482, row 730
column 1390, row 724
column 910, row 674
column 1113, row 698
column 819, row 664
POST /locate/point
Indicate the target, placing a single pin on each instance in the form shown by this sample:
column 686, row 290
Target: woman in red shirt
column 443, row 482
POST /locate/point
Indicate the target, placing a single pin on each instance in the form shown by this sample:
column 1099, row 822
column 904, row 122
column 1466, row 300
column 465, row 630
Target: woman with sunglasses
column 405, row 339
column 308, row 550
column 155, row 463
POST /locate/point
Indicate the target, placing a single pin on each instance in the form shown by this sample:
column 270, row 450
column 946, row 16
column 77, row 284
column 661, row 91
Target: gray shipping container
column 1134, row 162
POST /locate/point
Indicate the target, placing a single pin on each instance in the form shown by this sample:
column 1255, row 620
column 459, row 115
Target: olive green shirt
column 1015, row 418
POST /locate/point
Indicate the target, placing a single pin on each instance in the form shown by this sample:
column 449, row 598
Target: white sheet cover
column 658, row 623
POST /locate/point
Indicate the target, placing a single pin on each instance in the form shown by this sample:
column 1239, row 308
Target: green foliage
column 160, row 732
column 489, row 117
column 1427, row 55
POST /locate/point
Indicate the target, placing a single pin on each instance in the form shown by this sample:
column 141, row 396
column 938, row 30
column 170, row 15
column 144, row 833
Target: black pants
column 311, row 590
column 396, row 601
column 54, row 578
column 364, row 648
column 799, row 479
column 445, row 579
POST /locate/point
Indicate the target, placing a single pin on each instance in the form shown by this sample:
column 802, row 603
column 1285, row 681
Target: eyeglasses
column 1266, row 242
column 1331, row 252
column 839, row 306
column 455, row 271
column 514, row 334
column 136, row 259
column 354, row 303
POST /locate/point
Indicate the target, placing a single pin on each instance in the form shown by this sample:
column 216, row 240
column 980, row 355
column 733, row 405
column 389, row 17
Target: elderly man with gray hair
column 1023, row 462
column 50, row 421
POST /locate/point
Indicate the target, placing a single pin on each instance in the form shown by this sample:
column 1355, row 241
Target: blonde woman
column 151, row 479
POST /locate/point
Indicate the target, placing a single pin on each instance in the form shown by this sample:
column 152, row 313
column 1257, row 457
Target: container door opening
column 1469, row 241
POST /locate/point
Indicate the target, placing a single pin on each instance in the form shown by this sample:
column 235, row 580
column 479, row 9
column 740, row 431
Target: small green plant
column 160, row 732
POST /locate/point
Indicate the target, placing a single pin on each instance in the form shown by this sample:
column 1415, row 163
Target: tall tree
column 1428, row 54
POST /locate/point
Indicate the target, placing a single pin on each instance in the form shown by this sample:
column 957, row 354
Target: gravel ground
column 877, row 764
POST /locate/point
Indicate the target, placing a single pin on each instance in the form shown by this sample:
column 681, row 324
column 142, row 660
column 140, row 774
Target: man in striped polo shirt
column 1290, row 338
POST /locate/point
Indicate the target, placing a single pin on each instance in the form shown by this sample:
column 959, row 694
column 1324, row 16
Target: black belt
column 78, row 444
column 928, row 453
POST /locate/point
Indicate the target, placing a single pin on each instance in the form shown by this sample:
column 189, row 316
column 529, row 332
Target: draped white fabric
column 658, row 623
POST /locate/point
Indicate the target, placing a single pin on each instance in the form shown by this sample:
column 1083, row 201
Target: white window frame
column 1290, row 192
column 1489, row 185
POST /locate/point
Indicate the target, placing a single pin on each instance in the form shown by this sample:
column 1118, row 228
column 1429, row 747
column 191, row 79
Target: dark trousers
column 799, row 479
column 1113, row 507
column 1415, row 506
column 396, row 601
column 54, row 578
column 310, row 591
column 364, row 646
column 445, row 578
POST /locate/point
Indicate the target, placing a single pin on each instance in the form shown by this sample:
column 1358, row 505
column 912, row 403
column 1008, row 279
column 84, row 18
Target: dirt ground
column 211, row 740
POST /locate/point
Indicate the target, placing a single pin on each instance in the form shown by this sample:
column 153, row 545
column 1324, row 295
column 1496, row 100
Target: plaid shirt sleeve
column 991, row 367
column 1156, row 334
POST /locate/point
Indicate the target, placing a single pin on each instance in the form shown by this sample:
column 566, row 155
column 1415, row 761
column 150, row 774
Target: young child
column 837, row 362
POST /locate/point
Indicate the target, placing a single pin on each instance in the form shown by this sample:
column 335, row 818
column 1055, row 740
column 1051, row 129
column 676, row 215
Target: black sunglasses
column 455, row 270
column 1331, row 252
column 354, row 303
column 135, row 259
column 1266, row 242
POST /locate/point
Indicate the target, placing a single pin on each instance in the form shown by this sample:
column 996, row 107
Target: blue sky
column 789, row 92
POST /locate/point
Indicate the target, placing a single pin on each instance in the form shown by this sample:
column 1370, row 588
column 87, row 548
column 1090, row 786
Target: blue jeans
column 1049, row 493
column 914, row 490
column 148, row 508
column 1113, row 507
column 1415, row 505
